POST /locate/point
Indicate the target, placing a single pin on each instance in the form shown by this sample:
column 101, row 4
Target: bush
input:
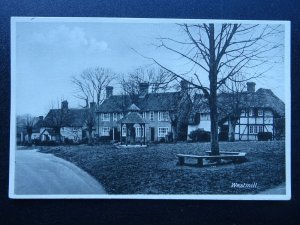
column 36, row 142
column 181, row 136
column 169, row 137
column 84, row 140
column 223, row 136
column 162, row 140
column 200, row 135
column 264, row 136
column 68, row 141
column 104, row 139
column 48, row 143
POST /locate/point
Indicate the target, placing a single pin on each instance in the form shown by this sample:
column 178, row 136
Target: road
column 39, row 173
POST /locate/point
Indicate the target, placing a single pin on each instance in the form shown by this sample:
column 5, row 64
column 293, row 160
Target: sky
column 48, row 54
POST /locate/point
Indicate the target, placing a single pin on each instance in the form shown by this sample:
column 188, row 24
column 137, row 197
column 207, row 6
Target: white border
column 287, row 58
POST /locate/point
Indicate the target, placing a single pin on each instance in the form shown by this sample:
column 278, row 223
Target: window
column 260, row 112
column 124, row 131
column 243, row 113
column 163, row 131
column 144, row 115
column 105, row 131
column 115, row 116
column 121, row 115
column 255, row 129
column 139, row 132
column 250, row 129
column 251, row 112
column 151, row 116
column 163, row 116
column 105, row 116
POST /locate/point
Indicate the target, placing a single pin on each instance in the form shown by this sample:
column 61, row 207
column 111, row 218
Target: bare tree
column 58, row 117
column 91, row 83
column 29, row 127
column 157, row 78
column 90, row 122
column 216, row 53
column 231, row 102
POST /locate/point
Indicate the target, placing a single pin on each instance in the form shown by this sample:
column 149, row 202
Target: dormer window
column 163, row 116
column 105, row 117
column 251, row 113
column 243, row 113
column 115, row 116
column 144, row 115
column 260, row 112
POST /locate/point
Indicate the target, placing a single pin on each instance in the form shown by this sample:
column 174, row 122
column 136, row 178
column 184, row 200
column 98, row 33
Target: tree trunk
column 231, row 130
column 214, row 127
column 174, row 131
column 90, row 137
column 29, row 138
column 213, row 75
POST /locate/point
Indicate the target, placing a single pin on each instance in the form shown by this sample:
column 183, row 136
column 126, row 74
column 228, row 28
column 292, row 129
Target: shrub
column 181, row 136
column 84, row 140
column 48, row 143
column 169, row 137
column 68, row 141
column 104, row 139
column 264, row 136
column 223, row 136
column 162, row 140
column 36, row 142
column 200, row 135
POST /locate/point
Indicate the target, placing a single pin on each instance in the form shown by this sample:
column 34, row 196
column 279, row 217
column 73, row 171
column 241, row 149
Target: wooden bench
column 234, row 156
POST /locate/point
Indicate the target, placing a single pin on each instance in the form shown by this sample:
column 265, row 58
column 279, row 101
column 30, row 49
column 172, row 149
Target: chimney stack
column 92, row 105
column 109, row 91
column 143, row 89
column 64, row 105
column 184, row 85
column 251, row 86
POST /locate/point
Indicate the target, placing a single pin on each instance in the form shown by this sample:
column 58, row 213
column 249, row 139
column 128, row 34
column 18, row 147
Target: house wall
column 72, row 133
column 33, row 136
column 204, row 123
column 156, row 124
column 242, row 129
column 248, row 126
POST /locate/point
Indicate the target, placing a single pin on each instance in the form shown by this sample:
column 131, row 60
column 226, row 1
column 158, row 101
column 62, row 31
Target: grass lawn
column 153, row 170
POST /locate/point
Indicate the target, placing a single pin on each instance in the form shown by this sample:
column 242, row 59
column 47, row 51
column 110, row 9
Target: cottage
column 66, row 123
column 154, row 113
column 252, row 113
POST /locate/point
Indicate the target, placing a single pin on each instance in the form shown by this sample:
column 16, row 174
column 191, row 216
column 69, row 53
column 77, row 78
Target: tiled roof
column 262, row 98
column 50, row 131
column 132, row 117
column 151, row 102
column 73, row 117
column 133, row 107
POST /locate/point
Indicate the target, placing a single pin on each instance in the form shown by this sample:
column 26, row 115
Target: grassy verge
column 153, row 170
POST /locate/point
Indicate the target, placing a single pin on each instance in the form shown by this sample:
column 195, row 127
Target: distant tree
column 157, row 78
column 29, row 127
column 58, row 117
column 90, row 122
column 180, row 115
column 232, row 102
column 91, row 83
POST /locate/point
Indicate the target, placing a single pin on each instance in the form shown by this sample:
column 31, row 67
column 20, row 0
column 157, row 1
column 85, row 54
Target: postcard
column 128, row 108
